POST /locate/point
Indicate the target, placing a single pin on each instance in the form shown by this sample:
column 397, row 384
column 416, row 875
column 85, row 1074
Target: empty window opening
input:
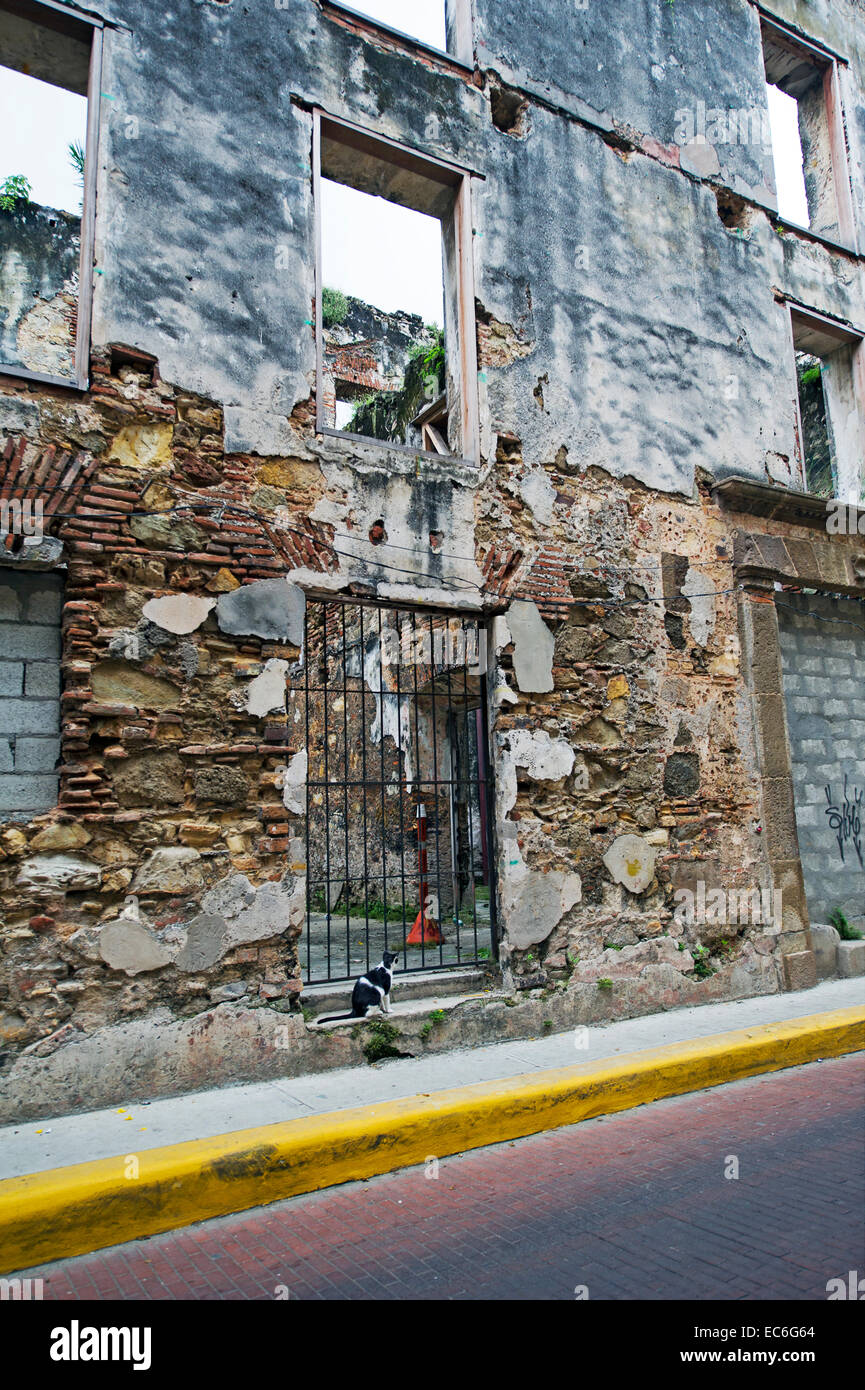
column 418, row 19
column 45, row 130
column 816, row 440
column 807, row 128
column 787, row 156
column 394, row 347
column 385, row 352
column 831, row 418
column 398, row 792
column 45, row 202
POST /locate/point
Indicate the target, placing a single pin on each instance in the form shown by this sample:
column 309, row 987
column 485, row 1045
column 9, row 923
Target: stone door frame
column 830, row 564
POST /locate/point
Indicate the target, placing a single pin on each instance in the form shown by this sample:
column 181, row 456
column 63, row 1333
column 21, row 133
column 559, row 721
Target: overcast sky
column 385, row 254
column 423, row 19
column 37, row 122
column 787, row 153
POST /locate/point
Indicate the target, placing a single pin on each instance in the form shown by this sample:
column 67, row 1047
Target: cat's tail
column 334, row 1018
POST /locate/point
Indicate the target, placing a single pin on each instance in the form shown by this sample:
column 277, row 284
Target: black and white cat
column 373, row 988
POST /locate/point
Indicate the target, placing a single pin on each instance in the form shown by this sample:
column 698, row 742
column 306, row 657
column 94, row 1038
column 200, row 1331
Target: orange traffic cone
column 424, row 931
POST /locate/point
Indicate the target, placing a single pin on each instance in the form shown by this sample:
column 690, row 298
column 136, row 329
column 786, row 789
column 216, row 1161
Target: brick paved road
column 632, row 1206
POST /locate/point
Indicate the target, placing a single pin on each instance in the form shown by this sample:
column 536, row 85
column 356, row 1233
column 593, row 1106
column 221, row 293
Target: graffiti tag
column 845, row 818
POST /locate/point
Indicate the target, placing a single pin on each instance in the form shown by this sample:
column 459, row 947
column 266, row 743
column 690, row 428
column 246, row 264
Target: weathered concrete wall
column 658, row 390
column 632, row 352
column 824, row 677
column 39, row 253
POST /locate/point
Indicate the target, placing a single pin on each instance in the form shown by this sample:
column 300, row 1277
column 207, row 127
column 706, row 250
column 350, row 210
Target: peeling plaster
column 270, row 608
column 267, row 691
column 126, row 944
column 701, row 619
column 534, row 902
column 294, row 783
column 178, row 613
column 631, row 861
column 539, row 495
column 545, row 759
column 533, row 647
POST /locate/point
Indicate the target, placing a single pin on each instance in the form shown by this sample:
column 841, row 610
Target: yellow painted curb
column 70, row 1211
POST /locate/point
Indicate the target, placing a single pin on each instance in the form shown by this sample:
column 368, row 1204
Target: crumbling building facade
column 608, row 633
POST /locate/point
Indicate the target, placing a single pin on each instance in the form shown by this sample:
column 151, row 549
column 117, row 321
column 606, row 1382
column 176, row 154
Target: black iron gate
column 399, row 791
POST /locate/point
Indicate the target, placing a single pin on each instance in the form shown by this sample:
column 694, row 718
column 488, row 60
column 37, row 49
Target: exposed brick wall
column 170, row 788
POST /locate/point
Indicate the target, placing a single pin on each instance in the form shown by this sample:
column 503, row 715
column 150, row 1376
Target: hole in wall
column 509, row 110
column 733, row 211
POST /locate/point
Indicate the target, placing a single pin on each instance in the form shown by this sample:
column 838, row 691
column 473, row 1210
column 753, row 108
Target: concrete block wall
column 29, row 693
column 823, row 657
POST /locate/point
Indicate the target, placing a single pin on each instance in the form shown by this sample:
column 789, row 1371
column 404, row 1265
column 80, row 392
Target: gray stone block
column 29, row 716
column 36, row 754
column 21, row 793
column 800, row 970
column 18, row 640
column 851, row 959
column 42, row 679
column 11, row 677
column 45, row 602
column 7, row 758
column 10, row 602
column 825, row 941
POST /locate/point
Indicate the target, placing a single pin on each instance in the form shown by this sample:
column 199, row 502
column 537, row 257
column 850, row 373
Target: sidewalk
column 45, row 1144
column 193, row 1159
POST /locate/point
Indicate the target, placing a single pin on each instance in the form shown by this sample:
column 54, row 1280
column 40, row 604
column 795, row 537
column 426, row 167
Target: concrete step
column 413, row 985
column 416, row 1011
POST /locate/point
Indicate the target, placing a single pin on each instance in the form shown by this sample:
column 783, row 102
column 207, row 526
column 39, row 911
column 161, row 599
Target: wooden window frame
column 798, row 315
column 828, row 62
column 50, row 15
column 436, row 171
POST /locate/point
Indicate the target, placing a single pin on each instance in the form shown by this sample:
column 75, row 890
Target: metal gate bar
column 407, row 752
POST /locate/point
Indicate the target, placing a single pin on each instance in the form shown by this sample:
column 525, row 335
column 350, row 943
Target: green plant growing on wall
column 388, row 414
column 380, row 1042
column 14, row 190
column 843, row 927
column 702, row 968
column 605, row 983
column 436, row 1018
column 334, row 306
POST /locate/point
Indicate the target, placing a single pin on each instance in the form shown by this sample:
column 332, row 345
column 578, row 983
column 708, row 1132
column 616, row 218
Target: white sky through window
column 422, row 19
column 387, row 255
column 787, row 154
column 38, row 121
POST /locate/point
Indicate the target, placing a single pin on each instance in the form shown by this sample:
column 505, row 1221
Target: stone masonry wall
column 632, row 329
column 824, row 677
